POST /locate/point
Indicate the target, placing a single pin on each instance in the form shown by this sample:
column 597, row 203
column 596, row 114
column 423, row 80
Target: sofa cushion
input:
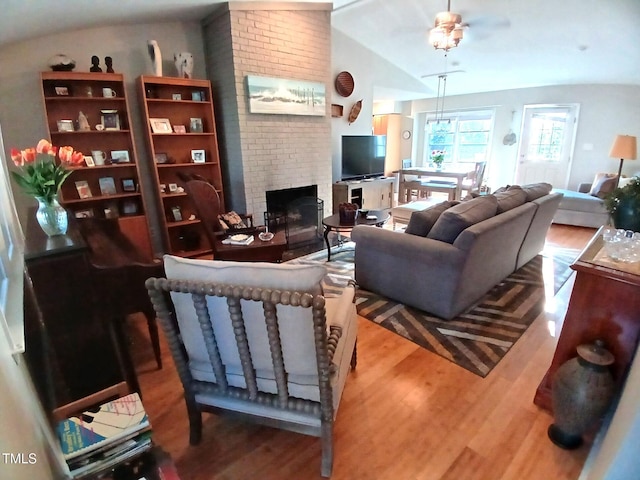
column 534, row 190
column 423, row 221
column 509, row 199
column 603, row 184
column 454, row 220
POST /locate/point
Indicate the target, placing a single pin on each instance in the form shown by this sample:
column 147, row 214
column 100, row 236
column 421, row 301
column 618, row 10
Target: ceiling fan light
column 457, row 35
column 436, row 36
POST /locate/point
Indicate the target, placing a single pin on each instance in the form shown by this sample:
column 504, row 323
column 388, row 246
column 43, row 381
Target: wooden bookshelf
column 65, row 95
column 168, row 104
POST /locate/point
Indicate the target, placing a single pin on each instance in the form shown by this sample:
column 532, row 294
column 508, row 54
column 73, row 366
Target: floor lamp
column 624, row 148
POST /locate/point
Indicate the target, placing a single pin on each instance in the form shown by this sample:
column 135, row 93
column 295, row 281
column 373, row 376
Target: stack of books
column 102, row 438
column 238, row 239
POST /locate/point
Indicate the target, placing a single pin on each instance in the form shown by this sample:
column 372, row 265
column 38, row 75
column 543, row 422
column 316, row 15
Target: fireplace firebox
column 297, row 210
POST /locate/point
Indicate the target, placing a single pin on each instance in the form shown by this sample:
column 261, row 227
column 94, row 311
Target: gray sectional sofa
column 580, row 208
column 454, row 254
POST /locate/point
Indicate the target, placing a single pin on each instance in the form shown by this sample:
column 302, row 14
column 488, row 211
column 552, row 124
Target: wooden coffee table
column 332, row 224
column 258, row 251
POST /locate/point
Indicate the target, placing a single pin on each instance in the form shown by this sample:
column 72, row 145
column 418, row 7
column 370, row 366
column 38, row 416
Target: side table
column 332, row 224
column 604, row 304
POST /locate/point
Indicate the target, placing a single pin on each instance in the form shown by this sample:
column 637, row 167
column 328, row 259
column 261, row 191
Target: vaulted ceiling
column 507, row 43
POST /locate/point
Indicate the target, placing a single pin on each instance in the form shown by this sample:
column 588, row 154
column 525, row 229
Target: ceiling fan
column 448, row 30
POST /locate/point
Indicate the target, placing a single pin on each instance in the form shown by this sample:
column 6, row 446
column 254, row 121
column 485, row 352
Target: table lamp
column 624, row 148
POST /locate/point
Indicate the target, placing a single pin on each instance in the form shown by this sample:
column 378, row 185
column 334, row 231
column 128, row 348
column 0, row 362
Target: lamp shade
column 624, row 147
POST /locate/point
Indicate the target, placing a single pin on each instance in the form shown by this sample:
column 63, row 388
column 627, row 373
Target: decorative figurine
column 83, row 123
column 156, row 57
column 95, row 64
column 184, row 64
column 62, row 63
column 108, row 61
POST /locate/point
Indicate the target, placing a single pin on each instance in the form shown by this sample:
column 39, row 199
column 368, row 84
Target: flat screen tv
column 363, row 156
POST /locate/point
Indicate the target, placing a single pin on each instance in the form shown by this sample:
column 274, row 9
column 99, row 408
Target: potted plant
column 623, row 204
column 437, row 157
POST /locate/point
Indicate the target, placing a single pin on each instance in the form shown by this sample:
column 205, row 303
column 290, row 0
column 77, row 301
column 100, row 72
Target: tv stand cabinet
column 372, row 194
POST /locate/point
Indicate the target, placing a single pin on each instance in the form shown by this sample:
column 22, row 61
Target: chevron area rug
column 478, row 338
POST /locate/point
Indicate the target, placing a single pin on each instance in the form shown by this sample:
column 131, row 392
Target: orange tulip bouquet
column 41, row 177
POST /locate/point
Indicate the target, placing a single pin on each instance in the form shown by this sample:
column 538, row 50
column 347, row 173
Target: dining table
column 455, row 173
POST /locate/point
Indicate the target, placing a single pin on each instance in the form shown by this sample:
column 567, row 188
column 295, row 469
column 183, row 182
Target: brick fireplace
column 262, row 152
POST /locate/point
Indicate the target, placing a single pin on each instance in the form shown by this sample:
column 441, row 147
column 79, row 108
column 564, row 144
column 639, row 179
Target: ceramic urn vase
column 582, row 390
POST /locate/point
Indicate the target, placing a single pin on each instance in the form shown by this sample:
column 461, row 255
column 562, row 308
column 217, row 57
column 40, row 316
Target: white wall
column 370, row 73
column 21, row 104
column 616, row 458
column 605, row 111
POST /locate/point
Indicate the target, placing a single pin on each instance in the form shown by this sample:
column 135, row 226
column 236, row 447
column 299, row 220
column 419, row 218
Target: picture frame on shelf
column 195, row 125
column 198, row 156
column 177, row 214
column 107, row 186
column 179, row 129
column 82, row 186
column 128, row 184
column 120, row 156
column 65, row 126
column 176, row 96
column 88, row 161
column 110, row 119
column 197, row 96
column 111, row 211
column 173, row 188
column 161, row 158
column 160, row 125
column 61, row 90
column 86, row 213
column 129, row 207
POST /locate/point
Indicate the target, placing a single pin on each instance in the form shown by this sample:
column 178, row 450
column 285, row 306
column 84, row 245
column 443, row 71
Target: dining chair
column 208, row 207
column 473, row 182
column 118, row 270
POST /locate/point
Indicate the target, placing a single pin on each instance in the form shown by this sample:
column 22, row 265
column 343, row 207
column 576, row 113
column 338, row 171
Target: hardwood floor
column 405, row 414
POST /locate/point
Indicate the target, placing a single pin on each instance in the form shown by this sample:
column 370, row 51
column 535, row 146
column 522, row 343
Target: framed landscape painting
column 286, row 97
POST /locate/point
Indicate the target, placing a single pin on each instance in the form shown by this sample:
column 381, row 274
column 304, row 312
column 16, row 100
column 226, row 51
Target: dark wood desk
column 332, row 224
column 604, row 304
column 71, row 351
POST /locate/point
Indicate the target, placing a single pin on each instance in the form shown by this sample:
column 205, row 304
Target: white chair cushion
column 296, row 324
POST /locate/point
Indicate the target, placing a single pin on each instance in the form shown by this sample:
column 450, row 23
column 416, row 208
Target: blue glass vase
column 51, row 217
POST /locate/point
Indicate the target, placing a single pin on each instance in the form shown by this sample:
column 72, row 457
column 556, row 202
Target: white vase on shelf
column 156, row 57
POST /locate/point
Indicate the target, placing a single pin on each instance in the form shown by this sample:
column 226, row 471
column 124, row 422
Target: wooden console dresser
column 604, row 304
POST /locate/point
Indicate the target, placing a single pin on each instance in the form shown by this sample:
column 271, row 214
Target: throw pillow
column 534, row 190
column 423, row 221
column 502, row 189
column 510, row 199
column 624, row 181
column 231, row 220
column 603, row 183
column 454, row 220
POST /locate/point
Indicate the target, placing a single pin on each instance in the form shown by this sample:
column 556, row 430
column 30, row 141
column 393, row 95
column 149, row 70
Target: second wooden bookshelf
column 181, row 137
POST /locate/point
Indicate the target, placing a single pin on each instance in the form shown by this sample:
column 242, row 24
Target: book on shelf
column 110, row 423
column 107, row 186
column 83, row 189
